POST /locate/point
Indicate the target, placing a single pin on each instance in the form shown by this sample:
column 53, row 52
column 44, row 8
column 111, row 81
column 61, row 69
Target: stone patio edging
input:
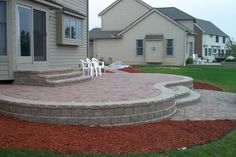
column 98, row 113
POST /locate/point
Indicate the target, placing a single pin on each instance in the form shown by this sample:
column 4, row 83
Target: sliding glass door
column 25, row 32
column 32, row 35
column 40, row 35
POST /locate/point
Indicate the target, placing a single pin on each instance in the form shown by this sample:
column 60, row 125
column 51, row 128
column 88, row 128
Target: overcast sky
column 220, row 12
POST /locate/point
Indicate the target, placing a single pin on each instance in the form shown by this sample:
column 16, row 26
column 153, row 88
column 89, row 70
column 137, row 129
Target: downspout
column 87, row 28
column 185, row 45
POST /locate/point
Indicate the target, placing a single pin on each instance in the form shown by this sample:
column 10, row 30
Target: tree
column 231, row 46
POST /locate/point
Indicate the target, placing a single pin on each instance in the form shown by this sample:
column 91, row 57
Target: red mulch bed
column 155, row 137
column 199, row 85
column 196, row 85
column 131, row 69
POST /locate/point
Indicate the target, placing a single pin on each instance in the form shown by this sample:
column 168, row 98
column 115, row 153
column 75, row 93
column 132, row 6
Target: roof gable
column 209, row 28
column 146, row 15
column 117, row 2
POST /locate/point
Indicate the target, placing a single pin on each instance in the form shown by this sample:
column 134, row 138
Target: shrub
column 230, row 59
column 189, row 60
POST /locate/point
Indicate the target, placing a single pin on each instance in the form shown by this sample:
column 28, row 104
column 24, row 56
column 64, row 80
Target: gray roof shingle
column 99, row 34
column 175, row 13
column 210, row 28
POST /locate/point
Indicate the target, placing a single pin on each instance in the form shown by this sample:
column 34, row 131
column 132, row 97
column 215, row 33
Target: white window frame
column 168, row 47
column 139, row 47
column 71, row 20
column 21, row 59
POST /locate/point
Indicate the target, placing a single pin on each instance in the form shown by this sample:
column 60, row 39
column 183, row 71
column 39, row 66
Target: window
column 223, row 39
column 222, row 52
column 139, row 47
column 209, row 52
column 72, row 28
column 169, row 46
column 3, row 43
column 214, row 51
column 217, row 38
column 190, row 46
column 206, row 51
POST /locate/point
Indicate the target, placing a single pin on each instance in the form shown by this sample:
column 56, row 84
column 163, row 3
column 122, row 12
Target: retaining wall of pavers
column 102, row 113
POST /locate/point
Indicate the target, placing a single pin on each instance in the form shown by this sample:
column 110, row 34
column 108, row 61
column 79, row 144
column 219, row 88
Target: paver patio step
column 192, row 98
column 182, row 92
column 55, row 71
column 69, row 75
column 64, row 82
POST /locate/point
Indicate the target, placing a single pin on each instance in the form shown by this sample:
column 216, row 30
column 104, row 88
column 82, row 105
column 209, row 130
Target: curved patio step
column 53, row 77
column 70, row 81
column 192, row 98
column 181, row 92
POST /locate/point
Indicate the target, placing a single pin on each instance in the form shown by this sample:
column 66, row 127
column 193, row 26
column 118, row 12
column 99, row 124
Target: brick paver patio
column 109, row 87
column 213, row 105
column 125, row 87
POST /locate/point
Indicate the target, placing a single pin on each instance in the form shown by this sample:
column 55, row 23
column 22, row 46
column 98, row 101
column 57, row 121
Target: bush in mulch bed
column 154, row 137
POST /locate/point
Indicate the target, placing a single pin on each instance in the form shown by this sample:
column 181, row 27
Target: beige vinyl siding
column 61, row 55
column 187, row 23
column 123, row 14
column 4, row 68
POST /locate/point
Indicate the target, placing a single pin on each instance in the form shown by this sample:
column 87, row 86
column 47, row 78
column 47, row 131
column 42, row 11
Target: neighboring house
column 136, row 33
column 210, row 41
column 42, row 34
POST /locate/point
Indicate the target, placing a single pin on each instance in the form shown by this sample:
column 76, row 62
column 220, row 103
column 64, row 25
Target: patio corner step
column 192, row 98
column 182, row 92
column 71, row 81
column 69, row 75
column 50, row 78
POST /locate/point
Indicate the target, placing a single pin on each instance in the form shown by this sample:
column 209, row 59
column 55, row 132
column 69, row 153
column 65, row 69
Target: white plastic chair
column 100, row 65
column 87, row 68
column 198, row 60
column 94, row 65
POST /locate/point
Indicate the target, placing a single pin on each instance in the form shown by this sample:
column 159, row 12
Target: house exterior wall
column 125, row 49
column 67, row 56
column 121, row 15
column 187, row 23
column 58, row 56
column 209, row 42
column 198, row 41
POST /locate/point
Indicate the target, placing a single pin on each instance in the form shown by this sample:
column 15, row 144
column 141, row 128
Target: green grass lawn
column 224, row 147
column 224, row 78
